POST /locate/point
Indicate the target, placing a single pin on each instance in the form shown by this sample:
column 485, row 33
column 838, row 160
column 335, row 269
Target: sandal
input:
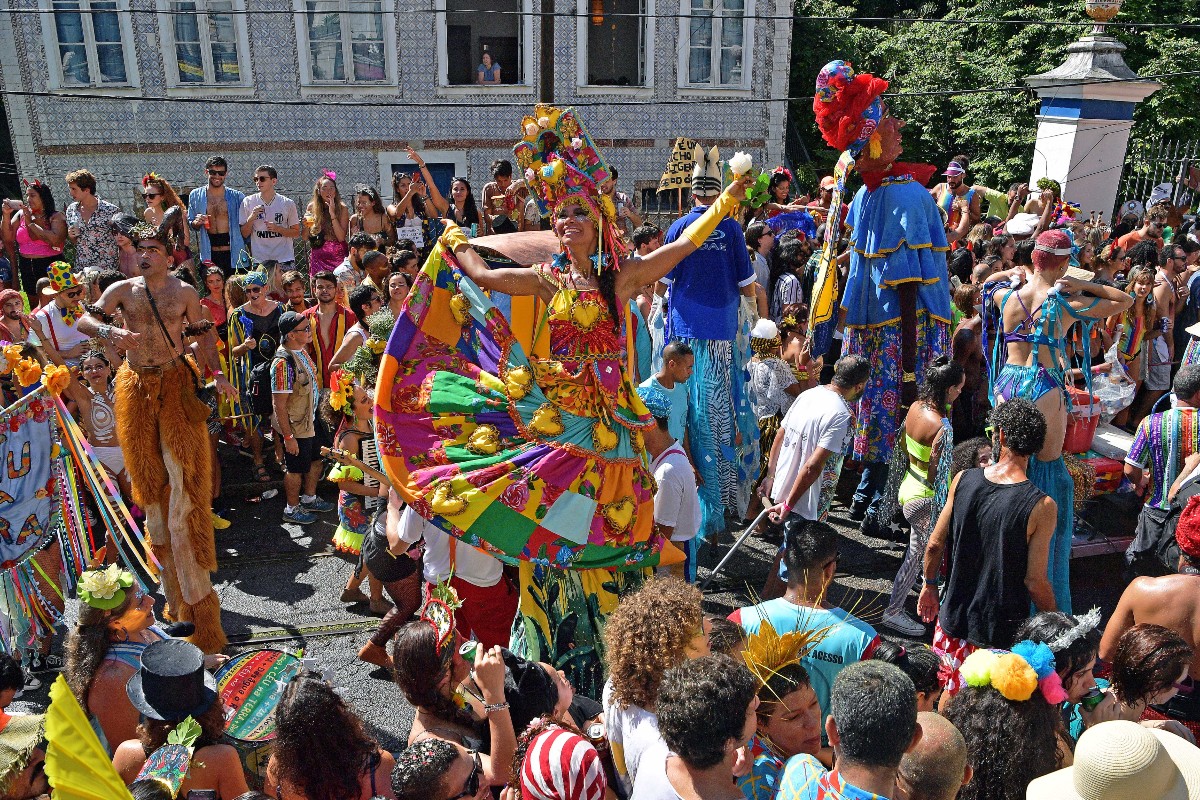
column 260, row 473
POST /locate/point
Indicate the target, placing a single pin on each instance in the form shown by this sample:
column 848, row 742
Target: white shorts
column 113, row 459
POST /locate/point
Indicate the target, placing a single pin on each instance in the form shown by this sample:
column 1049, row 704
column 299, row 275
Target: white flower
column 740, row 164
column 101, row 584
column 530, row 175
column 531, row 129
column 577, row 143
column 544, row 122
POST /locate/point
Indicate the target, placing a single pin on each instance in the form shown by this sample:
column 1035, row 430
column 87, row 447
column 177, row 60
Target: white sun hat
column 1122, row 760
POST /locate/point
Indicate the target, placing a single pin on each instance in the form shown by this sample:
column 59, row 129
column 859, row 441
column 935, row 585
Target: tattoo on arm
column 99, row 313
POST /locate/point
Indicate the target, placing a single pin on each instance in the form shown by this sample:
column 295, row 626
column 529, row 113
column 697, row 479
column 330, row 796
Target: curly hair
column 702, row 706
column 1148, row 660
column 1023, row 424
column 152, row 733
column 1009, row 742
column 966, row 454
column 724, row 635
column 88, row 644
column 418, row 668
column 312, row 719
column 648, row 635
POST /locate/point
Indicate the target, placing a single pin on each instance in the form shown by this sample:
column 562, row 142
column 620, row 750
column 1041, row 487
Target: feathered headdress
column 561, row 165
column 150, row 176
column 707, row 175
column 848, row 106
column 438, row 611
column 1083, row 626
column 768, row 652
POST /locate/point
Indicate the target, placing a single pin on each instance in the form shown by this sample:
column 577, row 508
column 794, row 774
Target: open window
column 486, row 42
column 615, row 33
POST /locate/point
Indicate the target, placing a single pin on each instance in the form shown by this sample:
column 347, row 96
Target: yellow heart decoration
column 517, row 381
column 619, row 514
column 460, row 308
column 445, row 502
column 585, row 314
column 547, row 420
column 484, row 440
column 603, row 436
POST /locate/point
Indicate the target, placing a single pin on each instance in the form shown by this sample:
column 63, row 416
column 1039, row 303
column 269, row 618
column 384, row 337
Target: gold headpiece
column 767, row 652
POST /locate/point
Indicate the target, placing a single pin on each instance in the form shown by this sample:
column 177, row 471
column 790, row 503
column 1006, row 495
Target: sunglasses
column 253, row 290
column 149, row 195
column 471, row 787
column 261, row 178
column 74, row 293
column 216, row 172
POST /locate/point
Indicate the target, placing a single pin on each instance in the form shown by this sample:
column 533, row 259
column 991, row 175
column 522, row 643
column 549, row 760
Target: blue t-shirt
column 705, row 286
column 800, row 778
column 677, row 422
column 848, row 641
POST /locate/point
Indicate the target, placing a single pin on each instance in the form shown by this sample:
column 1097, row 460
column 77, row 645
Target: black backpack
column 260, row 383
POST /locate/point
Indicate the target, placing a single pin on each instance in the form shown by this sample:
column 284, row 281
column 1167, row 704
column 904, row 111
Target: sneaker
column 32, row 684
column 301, row 516
column 219, row 522
column 318, row 505
column 903, row 623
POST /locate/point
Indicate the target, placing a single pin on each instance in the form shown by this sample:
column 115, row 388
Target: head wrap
column 562, row 165
column 1051, row 246
column 955, row 168
column 256, row 277
column 9, row 294
column 561, row 765
column 764, row 329
column 656, row 401
column 1187, row 531
column 847, row 106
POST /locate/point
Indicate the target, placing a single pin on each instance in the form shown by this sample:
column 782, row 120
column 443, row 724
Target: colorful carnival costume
column 897, row 295
column 705, row 313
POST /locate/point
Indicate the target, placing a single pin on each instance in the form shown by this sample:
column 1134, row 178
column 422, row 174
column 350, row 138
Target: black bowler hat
column 172, row 684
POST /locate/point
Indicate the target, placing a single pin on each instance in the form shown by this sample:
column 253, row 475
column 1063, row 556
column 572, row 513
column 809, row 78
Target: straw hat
column 1122, row 760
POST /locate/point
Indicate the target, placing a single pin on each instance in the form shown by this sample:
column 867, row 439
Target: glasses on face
column 150, row 195
column 219, row 172
column 471, row 787
column 261, row 178
column 304, row 329
column 74, row 293
column 253, row 290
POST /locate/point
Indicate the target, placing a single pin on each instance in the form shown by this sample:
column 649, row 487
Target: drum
column 250, row 685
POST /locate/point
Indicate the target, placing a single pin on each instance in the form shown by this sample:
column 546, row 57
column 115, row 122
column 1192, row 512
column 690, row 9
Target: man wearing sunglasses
column 58, row 317
column 270, row 221
column 208, row 214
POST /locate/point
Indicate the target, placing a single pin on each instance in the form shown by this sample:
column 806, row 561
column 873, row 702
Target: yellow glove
column 453, row 237
column 699, row 231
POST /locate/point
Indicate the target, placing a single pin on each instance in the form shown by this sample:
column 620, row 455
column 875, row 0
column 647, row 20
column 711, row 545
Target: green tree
column 922, row 60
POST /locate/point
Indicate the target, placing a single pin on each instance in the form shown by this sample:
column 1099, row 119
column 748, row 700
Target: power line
column 582, row 103
column 620, row 14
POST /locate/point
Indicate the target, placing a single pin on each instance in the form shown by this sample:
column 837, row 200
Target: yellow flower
column 28, row 371
column 56, row 378
column 377, row 345
column 12, row 354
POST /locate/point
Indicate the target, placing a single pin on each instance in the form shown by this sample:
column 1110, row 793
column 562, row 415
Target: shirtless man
column 13, row 328
column 161, row 423
column 956, row 196
column 208, row 214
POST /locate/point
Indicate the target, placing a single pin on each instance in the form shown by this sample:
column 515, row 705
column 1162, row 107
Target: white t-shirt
column 677, row 501
column 267, row 245
column 632, row 732
column 652, row 781
column 61, row 334
column 818, row 418
column 473, row 566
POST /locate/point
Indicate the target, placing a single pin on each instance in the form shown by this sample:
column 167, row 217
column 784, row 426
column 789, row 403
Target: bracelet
column 488, row 708
column 289, row 437
column 931, row 581
column 104, row 331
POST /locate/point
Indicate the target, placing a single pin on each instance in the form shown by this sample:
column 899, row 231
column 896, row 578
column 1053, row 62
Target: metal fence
column 1150, row 163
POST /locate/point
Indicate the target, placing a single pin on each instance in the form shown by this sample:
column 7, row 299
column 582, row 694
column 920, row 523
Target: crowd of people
column 526, row 507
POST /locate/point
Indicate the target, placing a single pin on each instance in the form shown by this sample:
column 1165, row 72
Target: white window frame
column 166, row 29
column 349, row 85
column 54, row 55
column 388, row 157
column 684, row 50
column 581, row 63
column 443, row 65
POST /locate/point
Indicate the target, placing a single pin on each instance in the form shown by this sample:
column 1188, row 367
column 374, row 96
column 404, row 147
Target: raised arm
column 435, row 196
column 515, row 281
column 641, row 270
column 1109, row 300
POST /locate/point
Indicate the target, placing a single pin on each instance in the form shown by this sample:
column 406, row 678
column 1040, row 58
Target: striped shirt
column 561, row 765
column 1161, row 444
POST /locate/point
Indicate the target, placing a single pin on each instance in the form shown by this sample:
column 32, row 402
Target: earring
column 124, row 634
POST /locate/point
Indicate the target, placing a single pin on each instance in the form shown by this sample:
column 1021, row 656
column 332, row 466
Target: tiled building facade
column 121, row 86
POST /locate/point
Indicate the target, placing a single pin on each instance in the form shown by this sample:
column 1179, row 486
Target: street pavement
column 279, row 585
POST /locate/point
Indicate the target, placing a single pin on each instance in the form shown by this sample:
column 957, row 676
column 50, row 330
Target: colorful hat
column 170, row 763
column 61, row 279
column 848, row 106
column 955, row 168
column 438, row 611
column 767, row 652
column 828, row 182
column 562, row 165
column 104, row 589
column 561, row 765
column 257, row 277
column 656, row 400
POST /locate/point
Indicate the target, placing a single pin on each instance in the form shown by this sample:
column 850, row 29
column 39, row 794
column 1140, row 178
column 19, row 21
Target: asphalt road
column 279, row 586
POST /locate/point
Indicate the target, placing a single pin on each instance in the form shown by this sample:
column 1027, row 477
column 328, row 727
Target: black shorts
column 223, row 259
column 386, row 567
column 300, row 463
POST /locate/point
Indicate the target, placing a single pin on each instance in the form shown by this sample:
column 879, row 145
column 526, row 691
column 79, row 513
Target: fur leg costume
column 167, row 457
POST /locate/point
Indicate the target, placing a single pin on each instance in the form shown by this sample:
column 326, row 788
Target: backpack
column 260, row 383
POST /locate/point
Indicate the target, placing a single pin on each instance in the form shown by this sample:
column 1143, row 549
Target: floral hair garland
column 1016, row 673
column 341, row 392
column 104, row 589
column 151, row 177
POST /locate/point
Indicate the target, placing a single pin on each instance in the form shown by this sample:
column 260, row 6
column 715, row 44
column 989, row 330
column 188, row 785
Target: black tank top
column 986, row 600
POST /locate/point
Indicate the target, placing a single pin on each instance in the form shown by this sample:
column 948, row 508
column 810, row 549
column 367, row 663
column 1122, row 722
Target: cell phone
column 202, row 794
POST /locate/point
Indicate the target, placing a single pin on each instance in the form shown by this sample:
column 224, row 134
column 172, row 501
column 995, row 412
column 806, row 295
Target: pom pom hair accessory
column 1016, row 674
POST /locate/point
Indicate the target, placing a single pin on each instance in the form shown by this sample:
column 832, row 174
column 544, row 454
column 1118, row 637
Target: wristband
column 698, row 231
column 933, row 582
column 453, row 237
column 289, row 437
column 488, row 708
column 104, row 331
